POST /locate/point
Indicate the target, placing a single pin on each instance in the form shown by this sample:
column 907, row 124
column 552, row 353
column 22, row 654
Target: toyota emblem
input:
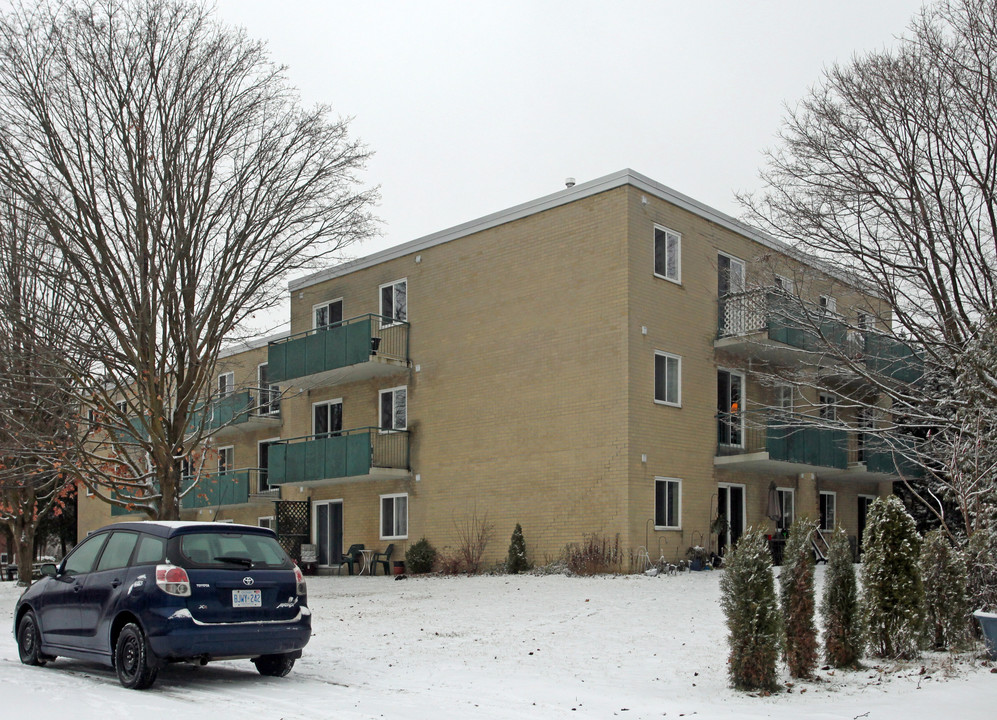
column 247, row 581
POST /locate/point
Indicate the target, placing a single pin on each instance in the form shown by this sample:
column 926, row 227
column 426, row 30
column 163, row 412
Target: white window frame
column 667, row 234
column 784, row 392
column 677, row 402
column 225, row 451
column 394, row 409
column 827, row 406
column 740, row 410
column 273, row 393
column 269, row 520
column 782, row 493
column 394, row 318
column 336, row 401
column 380, row 506
column 783, row 283
column 259, row 445
column 322, row 305
column 834, row 509
column 734, row 260
column 863, row 321
column 226, row 379
column 828, row 304
column 678, row 503
column 315, row 510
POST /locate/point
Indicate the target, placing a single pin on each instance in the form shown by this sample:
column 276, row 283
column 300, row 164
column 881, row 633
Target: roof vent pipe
column 569, row 182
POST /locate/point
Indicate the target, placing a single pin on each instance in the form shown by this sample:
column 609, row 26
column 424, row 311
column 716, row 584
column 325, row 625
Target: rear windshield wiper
column 244, row 561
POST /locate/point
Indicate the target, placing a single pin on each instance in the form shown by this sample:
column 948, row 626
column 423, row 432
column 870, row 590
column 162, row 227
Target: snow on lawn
column 501, row 647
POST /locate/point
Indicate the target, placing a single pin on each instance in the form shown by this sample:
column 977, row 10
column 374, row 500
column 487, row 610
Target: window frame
column 781, row 494
column 392, row 497
column 271, row 522
column 677, row 402
column 394, row 412
column 827, row 406
column 665, row 232
column 678, row 503
column 828, row 305
column 324, row 305
column 783, row 283
column 327, row 404
column 223, row 452
column 781, row 397
column 272, row 391
column 822, row 516
column 393, row 318
column 228, row 380
column 732, row 260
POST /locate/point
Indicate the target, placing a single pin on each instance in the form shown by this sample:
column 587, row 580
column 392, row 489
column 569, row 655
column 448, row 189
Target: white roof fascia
column 563, row 197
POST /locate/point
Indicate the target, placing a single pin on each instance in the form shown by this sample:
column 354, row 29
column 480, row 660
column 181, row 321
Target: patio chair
column 350, row 557
column 383, row 558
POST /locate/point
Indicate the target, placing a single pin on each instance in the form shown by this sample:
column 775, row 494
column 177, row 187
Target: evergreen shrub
column 517, row 561
column 748, row 599
column 420, row 556
column 797, row 593
column 839, row 605
column 946, row 605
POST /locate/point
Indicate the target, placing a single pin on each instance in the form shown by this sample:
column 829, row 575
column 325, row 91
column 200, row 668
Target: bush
column 420, row 556
column 747, row 596
column 473, row 536
column 594, row 555
column 943, row 572
column 840, row 605
column 981, row 569
column 517, row 561
column 797, row 590
column 892, row 594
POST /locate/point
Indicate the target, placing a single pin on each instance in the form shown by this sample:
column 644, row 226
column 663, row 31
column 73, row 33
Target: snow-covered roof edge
column 563, row 197
column 241, row 346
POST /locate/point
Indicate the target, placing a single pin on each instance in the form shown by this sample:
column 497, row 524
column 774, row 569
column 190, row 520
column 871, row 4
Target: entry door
column 730, row 402
column 730, row 504
column 329, row 532
column 865, row 502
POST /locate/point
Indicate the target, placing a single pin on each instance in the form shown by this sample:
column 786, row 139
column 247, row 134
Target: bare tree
column 177, row 173
column 38, row 419
column 887, row 172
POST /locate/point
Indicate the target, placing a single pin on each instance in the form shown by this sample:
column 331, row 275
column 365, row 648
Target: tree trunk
column 24, row 545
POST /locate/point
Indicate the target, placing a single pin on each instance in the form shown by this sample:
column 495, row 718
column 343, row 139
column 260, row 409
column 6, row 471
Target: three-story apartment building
column 604, row 360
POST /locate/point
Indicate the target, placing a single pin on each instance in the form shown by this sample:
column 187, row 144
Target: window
column 784, row 397
column 394, row 409
column 827, row 516
column 667, row 503
column 269, row 394
column 787, row 504
column 828, row 407
column 784, row 283
column 327, row 418
column 263, row 462
column 327, row 314
column 863, row 321
column 828, row 305
column 267, row 522
column 667, row 378
column 394, row 517
column 226, row 459
column 394, row 302
column 226, row 384
column 730, row 418
column 667, row 254
column 3, row 558
column 117, row 551
column 152, row 549
column 83, row 556
column 730, row 275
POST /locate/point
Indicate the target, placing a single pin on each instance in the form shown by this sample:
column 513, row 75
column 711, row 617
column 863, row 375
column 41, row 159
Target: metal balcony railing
column 341, row 454
column 785, row 436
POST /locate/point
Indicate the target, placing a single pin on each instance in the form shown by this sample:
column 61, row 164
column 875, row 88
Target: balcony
column 876, row 460
column 247, row 409
column 769, row 325
column 345, row 456
column 233, row 487
column 357, row 349
column 779, row 442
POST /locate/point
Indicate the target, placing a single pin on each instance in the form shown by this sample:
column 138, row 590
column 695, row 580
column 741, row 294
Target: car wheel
column 274, row 665
column 131, row 659
column 29, row 640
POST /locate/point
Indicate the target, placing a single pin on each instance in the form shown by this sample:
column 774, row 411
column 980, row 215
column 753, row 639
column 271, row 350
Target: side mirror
column 48, row 569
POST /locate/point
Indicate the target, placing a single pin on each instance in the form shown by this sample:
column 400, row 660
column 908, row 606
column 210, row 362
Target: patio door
column 730, row 281
column 730, row 404
column 328, row 529
column 730, row 504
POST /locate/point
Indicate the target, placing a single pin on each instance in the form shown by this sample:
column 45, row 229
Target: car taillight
column 300, row 578
column 173, row 580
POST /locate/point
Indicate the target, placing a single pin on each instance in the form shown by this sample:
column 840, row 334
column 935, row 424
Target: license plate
column 246, row 598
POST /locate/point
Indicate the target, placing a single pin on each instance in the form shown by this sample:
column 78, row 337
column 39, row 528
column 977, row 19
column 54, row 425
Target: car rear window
column 232, row 550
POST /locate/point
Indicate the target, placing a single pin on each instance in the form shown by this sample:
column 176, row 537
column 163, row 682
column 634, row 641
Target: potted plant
column 698, row 557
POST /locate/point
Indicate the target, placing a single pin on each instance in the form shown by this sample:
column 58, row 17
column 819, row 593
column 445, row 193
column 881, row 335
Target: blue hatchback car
column 138, row 595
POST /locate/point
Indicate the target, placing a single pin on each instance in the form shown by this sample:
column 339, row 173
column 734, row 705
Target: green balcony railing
column 231, row 487
column 786, row 437
column 239, row 407
column 347, row 453
column 350, row 342
column 880, row 457
column 784, row 320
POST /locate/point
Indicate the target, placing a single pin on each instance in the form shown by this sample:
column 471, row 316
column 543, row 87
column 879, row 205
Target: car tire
column 131, row 659
column 274, row 665
column 29, row 640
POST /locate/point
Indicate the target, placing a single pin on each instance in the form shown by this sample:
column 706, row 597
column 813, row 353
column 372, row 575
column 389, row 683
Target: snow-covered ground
column 500, row 647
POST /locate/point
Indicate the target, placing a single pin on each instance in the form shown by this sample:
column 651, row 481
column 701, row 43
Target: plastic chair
column 350, row 557
column 383, row 558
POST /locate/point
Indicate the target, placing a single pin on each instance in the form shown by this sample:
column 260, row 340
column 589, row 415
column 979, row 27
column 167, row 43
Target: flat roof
column 563, row 197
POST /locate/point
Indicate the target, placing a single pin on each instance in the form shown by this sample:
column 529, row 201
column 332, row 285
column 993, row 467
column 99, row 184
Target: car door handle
column 115, row 583
column 77, row 587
